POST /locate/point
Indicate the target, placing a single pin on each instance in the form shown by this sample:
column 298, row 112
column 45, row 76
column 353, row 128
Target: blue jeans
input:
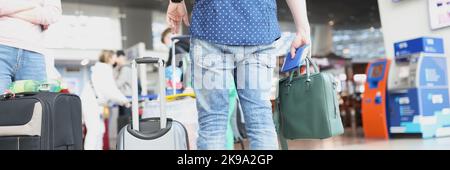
column 19, row 64
column 219, row 69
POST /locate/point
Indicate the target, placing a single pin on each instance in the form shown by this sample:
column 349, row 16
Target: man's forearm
column 8, row 7
column 300, row 14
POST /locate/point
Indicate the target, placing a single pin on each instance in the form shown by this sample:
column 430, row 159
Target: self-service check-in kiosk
column 374, row 100
column 418, row 93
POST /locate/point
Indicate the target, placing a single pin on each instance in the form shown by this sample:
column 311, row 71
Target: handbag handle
column 308, row 61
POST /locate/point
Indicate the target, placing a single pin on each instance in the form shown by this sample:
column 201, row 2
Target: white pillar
column 323, row 40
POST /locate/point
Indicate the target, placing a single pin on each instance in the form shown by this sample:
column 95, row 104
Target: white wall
column 406, row 20
column 75, row 39
column 90, row 10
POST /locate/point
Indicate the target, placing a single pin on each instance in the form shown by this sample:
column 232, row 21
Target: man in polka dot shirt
column 231, row 49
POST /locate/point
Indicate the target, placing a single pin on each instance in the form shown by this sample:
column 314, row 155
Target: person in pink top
column 22, row 23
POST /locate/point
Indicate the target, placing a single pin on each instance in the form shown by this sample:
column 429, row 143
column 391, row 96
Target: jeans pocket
column 258, row 72
column 213, row 71
column 265, row 57
column 268, row 61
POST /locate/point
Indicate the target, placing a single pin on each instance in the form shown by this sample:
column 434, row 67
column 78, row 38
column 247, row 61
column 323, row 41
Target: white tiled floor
column 347, row 143
column 355, row 141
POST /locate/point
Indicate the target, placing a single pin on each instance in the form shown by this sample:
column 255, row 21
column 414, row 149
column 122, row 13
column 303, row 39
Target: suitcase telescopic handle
column 147, row 60
column 181, row 37
column 134, row 87
column 175, row 40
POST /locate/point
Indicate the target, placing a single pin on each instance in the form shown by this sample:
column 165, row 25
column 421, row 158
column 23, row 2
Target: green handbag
column 307, row 106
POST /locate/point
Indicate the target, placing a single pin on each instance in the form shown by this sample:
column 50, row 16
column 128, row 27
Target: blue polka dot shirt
column 235, row 22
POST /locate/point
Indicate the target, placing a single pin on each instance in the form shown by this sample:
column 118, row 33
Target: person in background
column 122, row 74
column 165, row 37
column 22, row 24
column 98, row 93
column 229, row 35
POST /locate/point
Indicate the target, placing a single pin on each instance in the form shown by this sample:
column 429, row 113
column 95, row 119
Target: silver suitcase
column 160, row 133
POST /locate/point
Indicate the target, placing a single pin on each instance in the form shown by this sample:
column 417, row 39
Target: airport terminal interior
column 388, row 57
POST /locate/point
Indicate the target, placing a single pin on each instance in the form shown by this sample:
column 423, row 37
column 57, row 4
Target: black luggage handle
column 175, row 40
column 182, row 37
column 147, row 60
column 8, row 96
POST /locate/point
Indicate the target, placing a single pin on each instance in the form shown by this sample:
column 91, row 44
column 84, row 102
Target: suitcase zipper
column 18, row 143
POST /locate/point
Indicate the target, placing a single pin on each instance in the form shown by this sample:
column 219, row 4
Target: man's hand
column 176, row 13
column 127, row 105
column 299, row 12
column 301, row 38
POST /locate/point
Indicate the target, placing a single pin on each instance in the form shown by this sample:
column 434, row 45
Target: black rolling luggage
column 40, row 121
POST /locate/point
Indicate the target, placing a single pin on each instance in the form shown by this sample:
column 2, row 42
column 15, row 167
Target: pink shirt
column 22, row 21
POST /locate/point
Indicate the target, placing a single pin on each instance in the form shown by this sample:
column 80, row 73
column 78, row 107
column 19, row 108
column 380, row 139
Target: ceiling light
column 84, row 62
column 346, row 51
column 331, row 23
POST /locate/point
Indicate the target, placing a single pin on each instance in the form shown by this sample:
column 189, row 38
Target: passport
column 291, row 64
